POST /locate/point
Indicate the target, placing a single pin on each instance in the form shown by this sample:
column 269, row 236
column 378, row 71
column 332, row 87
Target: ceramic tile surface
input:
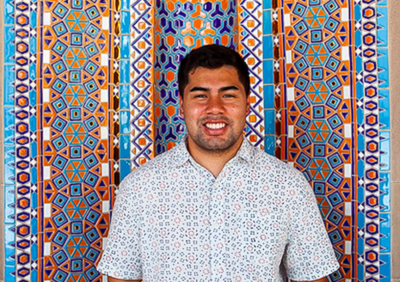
column 90, row 93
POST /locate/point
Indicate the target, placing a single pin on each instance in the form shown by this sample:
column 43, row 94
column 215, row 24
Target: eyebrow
column 226, row 88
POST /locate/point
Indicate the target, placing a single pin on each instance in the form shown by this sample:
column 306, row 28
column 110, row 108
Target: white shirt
column 173, row 221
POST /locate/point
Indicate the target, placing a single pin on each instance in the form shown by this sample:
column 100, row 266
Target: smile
column 215, row 125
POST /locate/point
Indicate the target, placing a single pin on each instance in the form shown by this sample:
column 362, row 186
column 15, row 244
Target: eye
column 200, row 96
column 229, row 95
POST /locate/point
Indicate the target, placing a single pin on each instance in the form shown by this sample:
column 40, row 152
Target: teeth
column 215, row 125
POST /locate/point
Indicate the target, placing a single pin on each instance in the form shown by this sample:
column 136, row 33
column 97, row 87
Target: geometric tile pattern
column 90, row 94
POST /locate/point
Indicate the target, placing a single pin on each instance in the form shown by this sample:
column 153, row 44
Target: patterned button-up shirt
column 257, row 221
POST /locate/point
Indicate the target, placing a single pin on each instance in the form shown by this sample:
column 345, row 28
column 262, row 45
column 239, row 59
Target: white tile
column 290, row 94
column 345, row 53
column 104, row 133
column 347, row 170
column 46, row 95
column 46, row 173
column 105, row 23
column 104, row 169
column 47, row 248
column 46, row 133
column 288, row 57
column 345, row 14
column 291, row 131
column 46, row 56
column 347, row 247
column 104, row 60
column 346, row 92
column 47, row 210
column 106, row 206
column 46, row 18
column 104, row 96
column 104, row 243
column 347, row 131
column 347, row 209
column 286, row 20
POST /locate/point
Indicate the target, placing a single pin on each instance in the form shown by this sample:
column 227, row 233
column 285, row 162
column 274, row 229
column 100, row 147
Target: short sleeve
column 309, row 254
column 121, row 257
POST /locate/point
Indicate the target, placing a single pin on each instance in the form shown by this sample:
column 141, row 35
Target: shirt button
column 216, row 184
column 217, row 267
column 216, row 225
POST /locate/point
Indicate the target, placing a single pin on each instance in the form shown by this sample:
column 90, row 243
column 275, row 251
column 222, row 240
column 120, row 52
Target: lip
column 212, row 131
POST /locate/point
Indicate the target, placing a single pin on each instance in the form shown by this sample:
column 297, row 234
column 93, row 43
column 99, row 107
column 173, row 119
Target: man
column 214, row 208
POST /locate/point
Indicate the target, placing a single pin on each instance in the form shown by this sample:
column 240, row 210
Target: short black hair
column 213, row 57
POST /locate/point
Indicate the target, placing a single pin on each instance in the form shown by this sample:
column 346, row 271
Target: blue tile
column 384, row 225
column 9, row 123
column 34, row 253
column 269, row 145
column 360, row 271
column 357, row 13
column 125, row 46
column 267, row 22
column 8, row 12
column 382, row 21
column 9, row 169
column 125, row 4
column 125, row 22
column 360, row 246
column 124, row 146
column 360, row 116
column 268, row 69
column 360, row 90
column 124, row 71
column 267, row 4
column 361, row 219
column 384, row 185
column 8, row 273
column 382, row 2
column 125, row 167
column 33, row 19
column 124, row 97
column 384, row 146
column 9, row 45
column 33, row 46
column 269, row 96
column 361, row 168
column 32, row 97
column 9, row 239
column 268, row 47
column 34, row 175
column 361, row 142
column 269, row 119
column 358, row 38
column 384, row 109
column 34, row 226
column 9, row 79
column 9, row 198
column 384, row 268
column 124, row 121
column 383, row 67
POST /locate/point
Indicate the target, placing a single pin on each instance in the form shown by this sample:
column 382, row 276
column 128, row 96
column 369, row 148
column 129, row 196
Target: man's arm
column 112, row 279
column 318, row 280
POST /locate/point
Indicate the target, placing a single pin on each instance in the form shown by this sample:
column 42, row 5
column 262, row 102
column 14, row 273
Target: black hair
column 213, row 57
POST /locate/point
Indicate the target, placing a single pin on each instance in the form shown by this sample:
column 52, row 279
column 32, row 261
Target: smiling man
column 215, row 208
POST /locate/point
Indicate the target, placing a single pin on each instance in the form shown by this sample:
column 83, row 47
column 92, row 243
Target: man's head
column 212, row 57
column 214, row 99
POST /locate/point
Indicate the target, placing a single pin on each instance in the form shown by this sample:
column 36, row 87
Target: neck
column 213, row 161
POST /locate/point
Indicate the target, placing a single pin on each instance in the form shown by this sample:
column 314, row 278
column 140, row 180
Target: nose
column 215, row 106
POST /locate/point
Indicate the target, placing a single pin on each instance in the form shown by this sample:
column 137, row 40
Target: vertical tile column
column 251, row 17
column 181, row 26
column 9, row 140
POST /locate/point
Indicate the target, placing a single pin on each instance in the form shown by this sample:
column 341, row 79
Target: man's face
column 214, row 108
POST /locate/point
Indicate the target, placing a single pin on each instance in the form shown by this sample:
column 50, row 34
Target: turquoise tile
column 125, row 22
column 360, row 116
column 359, row 66
column 9, row 198
column 385, row 268
column 360, row 271
column 361, row 142
column 32, row 97
column 33, row 45
column 124, row 97
column 9, row 123
column 357, row 13
column 383, row 67
column 9, row 45
column 124, row 146
column 384, row 185
column 125, row 168
column 33, row 175
column 124, row 71
column 34, row 274
column 8, row 273
column 125, row 4
column 8, row 12
column 384, row 146
column 384, row 225
column 268, row 69
column 267, row 22
column 360, row 245
column 34, row 253
column 269, row 119
column 124, row 121
column 9, row 168
column 9, row 240
column 384, row 109
column 361, row 219
column 269, row 96
column 9, row 78
column 382, row 2
column 268, row 47
column 267, row 4
column 34, row 226
column 125, row 46
column 361, row 167
column 358, row 38
column 382, row 21
column 360, row 90
column 33, row 19
column 269, row 145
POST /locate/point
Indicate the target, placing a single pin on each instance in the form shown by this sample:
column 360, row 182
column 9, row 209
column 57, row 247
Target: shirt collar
column 181, row 154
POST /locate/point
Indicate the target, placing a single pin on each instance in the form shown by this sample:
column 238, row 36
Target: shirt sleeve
column 121, row 256
column 309, row 254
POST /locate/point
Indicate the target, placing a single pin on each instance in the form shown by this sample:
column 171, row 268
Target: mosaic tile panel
column 87, row 98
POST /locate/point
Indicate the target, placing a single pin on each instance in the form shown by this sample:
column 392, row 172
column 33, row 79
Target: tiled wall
column 90, row 94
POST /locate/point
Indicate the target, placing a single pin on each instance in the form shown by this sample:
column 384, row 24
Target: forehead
column 222, row 75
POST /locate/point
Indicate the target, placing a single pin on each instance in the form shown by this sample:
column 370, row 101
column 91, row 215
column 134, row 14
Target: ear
column 248, row 104
column 181, row 111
